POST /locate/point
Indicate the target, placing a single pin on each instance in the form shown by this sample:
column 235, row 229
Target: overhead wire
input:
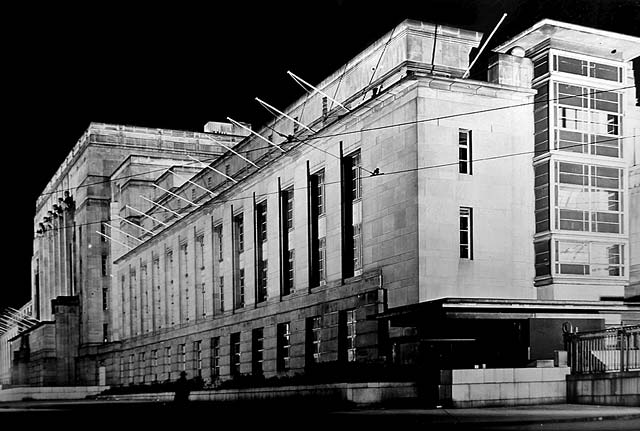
column 318, row 135
column 401, row 171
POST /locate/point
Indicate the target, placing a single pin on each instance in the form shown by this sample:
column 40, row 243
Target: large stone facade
column 368, row 230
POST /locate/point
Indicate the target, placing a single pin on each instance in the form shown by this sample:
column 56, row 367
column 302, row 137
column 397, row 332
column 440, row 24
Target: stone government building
column 350, row 236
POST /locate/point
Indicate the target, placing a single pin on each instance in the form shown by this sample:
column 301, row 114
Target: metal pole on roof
column 121, row 231
column 233, row 151
column 177, row 196
column 254, row 133
column 114, row 240
column 162, row 206
column 297, row 78
column 214, row 169
column 136, row 225
column 146, row 215
column 484, row 45
column 213, row 195
column 282, row 113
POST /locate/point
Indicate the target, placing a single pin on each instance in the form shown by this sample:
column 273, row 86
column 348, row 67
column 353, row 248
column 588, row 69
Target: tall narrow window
column 351, row 335
column 261, row 255
column 464, row 151
column 287, row 244
column 197, row 357
column 215, row 358
column 105, row 298
column 466, row 233
column 239, row 232
column 351, row 207
column 221, row 287
column 322, row 253
column 105, row 265
column 142, row 359
column 217, row 233
column 314, row 339
column 283, row 345
column 235, row 354
column 257, row 350
column 316, row 227
column 167, row 361
column 240, row 289
column 105, row 332
column 154, row 364
column 183, row 357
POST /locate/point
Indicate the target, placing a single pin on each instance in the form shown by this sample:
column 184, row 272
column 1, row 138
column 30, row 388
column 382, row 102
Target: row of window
column 588, row 198
column 575, row 66
column 599, row 259
column 314, row 341
column 586, row 120
column 178, row 295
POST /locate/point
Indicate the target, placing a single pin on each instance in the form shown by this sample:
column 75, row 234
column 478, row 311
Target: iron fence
column 606, row 351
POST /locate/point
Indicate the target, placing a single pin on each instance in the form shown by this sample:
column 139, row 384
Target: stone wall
column 621, row 389
column 503, row 386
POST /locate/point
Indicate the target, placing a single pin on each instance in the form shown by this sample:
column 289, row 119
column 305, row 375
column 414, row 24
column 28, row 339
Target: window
column 464, row 151
column 105, row 332
column 103, row 231
column 239, row 232
column 105, row 265
column 589, row 198
column 591, row 69
column 314, row 339
column 357, row 246
column 235, row 354
column 121, row 372
column 183, row 357
column 319, row 192
column 287, row 226
column 131, row 368
column 167, row 363
column 217, row 232
column 142, row 359
column 105, row 298
column 290, row 281
column 215, row 358
column 221, row 287
column 356, row 180
column 240, row 289
column 283, row 345
column 289, row 208
column 543, row 202
column 351, row 335
column 543, row 258
column 193, row 194
column 262, row 280
column 589, row 258
column 540, row 66
column 154, row 364
column 261, row 222
column 261, row 234
column 257, row 350
column 322, row 273
column 588, row 120
column 466, row 233
column 197, row 357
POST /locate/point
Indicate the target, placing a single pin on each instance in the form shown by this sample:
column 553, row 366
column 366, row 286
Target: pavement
column 314, row 416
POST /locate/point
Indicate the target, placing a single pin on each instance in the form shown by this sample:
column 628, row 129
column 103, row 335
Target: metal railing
column 607, row 351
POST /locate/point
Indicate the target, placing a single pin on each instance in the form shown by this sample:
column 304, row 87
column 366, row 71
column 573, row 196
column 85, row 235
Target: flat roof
column 601, row 43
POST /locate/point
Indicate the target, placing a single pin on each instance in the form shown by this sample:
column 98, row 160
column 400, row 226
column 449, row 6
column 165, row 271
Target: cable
column 420, row 168
column 316, row 136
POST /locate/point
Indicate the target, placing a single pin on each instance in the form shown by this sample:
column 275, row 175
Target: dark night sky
column 178, row 68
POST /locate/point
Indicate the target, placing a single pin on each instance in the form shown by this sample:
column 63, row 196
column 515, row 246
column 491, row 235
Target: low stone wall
column 49, row 393
column 620, row 389
column 358, row 393
column 503, row 386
